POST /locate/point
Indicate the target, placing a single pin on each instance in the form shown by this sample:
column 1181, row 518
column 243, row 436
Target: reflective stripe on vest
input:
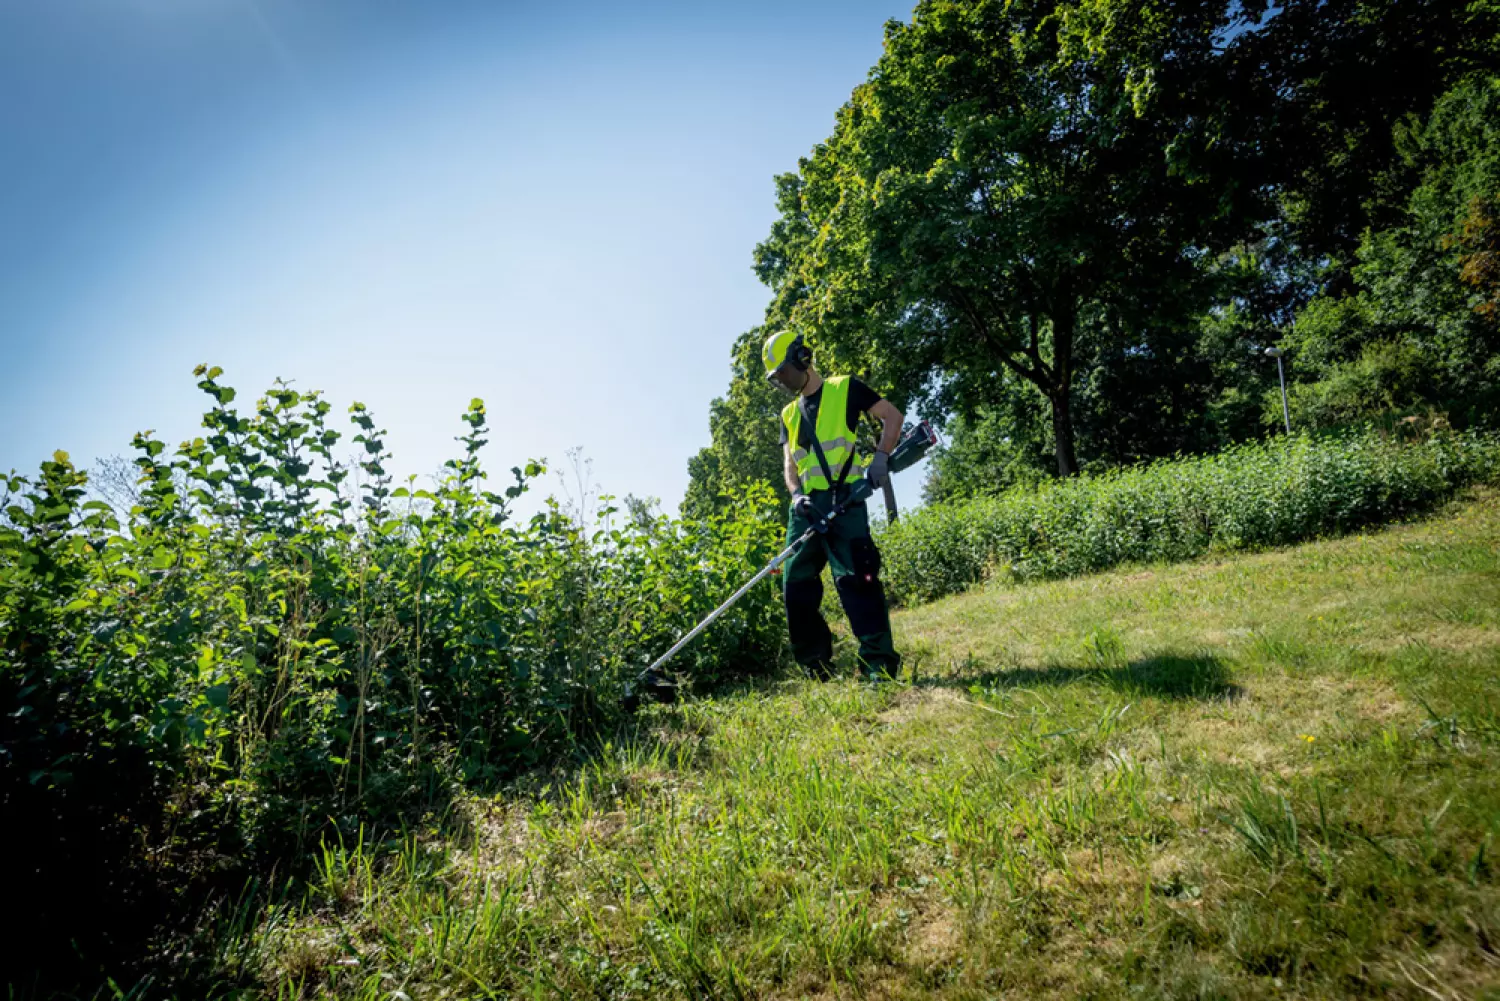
column 834, row 435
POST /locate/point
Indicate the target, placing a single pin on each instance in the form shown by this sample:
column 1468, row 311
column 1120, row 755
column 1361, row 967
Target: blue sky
column 405, row 202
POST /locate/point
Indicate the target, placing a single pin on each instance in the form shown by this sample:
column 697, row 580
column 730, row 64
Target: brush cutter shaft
column 780, row 558
column 857, row 493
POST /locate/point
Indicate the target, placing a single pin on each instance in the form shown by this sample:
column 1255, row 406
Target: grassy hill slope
column 1269, row 776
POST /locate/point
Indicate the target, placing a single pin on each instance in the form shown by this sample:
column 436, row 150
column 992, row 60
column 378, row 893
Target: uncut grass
column 1261, row 777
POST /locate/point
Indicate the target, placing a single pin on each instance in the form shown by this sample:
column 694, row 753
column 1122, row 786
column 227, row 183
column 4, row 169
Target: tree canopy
column 1074, row 225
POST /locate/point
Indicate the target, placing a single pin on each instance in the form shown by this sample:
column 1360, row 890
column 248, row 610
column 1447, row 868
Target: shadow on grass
column 1164, row 675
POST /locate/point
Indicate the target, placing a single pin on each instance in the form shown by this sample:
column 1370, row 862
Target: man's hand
column 879, row 469
column 803, row 506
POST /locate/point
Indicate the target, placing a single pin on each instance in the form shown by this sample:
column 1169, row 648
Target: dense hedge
column 272, row 645
column 1251, row 496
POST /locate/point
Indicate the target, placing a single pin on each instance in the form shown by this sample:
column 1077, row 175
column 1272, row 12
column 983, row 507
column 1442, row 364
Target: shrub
column 1247, row 497
column 272, row 645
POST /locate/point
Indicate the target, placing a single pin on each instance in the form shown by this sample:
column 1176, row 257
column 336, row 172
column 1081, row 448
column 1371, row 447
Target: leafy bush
column 273, row 644
column 1249, row 496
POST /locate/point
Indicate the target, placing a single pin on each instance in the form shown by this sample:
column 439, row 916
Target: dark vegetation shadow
column 145, row 897
column 1162, row 675
column 101, row 908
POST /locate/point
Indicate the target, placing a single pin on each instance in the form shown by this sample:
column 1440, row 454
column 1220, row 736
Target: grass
column 1265, row 776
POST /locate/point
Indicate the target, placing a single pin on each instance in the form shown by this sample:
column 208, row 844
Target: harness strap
column 807, row 425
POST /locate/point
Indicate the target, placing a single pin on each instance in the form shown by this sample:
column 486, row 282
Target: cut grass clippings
column 1269, row 776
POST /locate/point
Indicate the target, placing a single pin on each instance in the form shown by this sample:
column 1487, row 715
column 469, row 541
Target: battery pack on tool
column 915, row 443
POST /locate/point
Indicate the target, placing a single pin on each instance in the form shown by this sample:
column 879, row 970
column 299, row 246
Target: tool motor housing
column 915, row 443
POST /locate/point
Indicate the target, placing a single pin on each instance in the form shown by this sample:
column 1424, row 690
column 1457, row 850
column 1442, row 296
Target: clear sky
column 404, row 202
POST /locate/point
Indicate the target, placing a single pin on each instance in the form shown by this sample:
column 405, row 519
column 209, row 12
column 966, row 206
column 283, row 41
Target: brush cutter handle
column 861, row 491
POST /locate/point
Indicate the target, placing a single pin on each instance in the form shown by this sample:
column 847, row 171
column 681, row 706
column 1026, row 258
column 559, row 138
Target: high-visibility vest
column 834, row 435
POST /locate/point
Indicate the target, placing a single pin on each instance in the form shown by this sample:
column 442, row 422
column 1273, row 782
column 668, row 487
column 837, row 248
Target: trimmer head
column 649, row 687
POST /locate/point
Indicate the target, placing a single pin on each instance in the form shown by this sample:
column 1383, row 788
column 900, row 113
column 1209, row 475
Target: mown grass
column 1269, row 776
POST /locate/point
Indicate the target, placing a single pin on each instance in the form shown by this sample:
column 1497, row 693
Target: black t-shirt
column 861, row 399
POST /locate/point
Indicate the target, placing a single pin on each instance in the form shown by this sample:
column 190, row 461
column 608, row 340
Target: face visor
column 788, row 378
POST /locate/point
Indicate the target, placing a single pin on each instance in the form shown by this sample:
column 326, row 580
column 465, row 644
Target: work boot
column 878, row 660
column 820, row 670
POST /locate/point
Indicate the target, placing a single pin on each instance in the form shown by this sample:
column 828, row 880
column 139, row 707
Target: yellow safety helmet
column 785, row 347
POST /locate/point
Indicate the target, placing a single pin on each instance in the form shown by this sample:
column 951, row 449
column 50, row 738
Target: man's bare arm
column 789, row 471
column 890, row 424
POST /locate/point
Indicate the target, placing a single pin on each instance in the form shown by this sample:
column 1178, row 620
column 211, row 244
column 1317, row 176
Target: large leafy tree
column 1072, row 225
column 1329, row 88
column 1421, row 328
column 1018, row 186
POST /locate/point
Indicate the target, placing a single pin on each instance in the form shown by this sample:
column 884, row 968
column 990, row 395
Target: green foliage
column 1420, row 330
column 1247, row 497
column 983, row 202
column 268, row 647
column 982, row 456
column 1329, row 89
column 744, row 451
column 1190, row 390
column 1185, row 784
column 1092, row 216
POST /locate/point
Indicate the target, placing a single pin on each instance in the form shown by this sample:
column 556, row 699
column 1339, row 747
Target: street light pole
column 1286, row 412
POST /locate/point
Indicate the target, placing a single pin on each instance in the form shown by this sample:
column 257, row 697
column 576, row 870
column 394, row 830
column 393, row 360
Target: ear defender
column 804, row 356
column 801, row 355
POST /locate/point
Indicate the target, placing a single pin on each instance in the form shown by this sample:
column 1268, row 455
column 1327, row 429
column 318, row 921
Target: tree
column 1009, row 192
column 744, row 446
column 1329, row 88
column 1420, row 328
column 1111, row 207
column 1002, row 446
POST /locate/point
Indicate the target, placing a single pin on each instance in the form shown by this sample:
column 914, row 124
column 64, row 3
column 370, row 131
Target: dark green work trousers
column 856, row 568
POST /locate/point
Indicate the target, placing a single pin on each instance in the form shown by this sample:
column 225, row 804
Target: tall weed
column 1248, row 497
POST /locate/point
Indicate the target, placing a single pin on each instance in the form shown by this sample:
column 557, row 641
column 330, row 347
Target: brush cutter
column 650, row 683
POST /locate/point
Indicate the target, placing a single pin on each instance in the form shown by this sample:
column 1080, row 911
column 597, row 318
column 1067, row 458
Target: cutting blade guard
column 914, row 445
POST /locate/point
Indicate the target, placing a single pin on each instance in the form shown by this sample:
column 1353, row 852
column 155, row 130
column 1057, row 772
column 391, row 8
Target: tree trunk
column 1062, row 388
column 1062, row 431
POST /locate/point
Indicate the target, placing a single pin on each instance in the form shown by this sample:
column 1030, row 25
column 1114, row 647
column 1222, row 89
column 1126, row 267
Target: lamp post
column 1286, row 412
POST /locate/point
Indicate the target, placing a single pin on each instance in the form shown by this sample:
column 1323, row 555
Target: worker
column 820, row 467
